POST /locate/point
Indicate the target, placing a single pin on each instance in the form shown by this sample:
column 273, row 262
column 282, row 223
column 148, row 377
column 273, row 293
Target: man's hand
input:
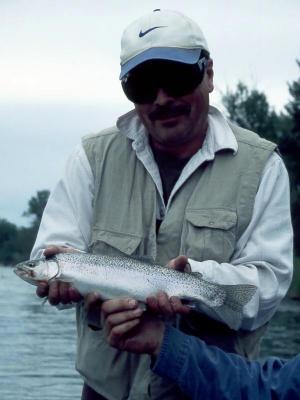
column 58, row 292
column 162, row 304
column 129, row 328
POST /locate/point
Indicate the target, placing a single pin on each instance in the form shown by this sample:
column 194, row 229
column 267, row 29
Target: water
column 38, row 343
column 283, row 336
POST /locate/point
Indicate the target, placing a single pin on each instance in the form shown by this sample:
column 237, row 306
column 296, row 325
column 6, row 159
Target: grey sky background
column 59, row 67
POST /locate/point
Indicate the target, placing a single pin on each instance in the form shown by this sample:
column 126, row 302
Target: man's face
column 174, row 121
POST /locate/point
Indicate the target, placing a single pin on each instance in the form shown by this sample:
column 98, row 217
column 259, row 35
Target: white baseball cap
column 162, row 34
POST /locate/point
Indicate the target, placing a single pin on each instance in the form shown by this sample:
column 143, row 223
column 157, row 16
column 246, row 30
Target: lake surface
column 38, row 343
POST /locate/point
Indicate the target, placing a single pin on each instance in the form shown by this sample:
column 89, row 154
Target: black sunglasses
column 177, row 79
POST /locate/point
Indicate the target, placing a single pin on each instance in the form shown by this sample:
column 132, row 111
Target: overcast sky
column 59, row 67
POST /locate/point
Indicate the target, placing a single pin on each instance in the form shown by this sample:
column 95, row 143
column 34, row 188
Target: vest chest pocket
column 209, row 234
column 114, row 243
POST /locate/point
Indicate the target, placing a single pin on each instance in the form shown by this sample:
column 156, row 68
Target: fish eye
column 31, row 264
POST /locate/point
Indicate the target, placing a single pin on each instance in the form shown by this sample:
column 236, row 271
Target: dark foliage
column 16, row 242
column 250, row 109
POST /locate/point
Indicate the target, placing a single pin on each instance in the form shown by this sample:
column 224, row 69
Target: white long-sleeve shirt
column 263, row 254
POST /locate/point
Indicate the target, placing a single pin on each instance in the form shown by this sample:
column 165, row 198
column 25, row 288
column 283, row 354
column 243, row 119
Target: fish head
column 38, row 270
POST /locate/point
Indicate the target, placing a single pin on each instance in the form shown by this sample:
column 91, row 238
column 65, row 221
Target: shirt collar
column 220, row 135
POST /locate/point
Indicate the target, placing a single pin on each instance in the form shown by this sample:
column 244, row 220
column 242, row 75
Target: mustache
column 169, row 111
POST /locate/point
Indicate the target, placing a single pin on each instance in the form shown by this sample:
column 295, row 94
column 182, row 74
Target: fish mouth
column 25, row 273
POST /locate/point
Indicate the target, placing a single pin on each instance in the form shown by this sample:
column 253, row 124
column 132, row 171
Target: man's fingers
column 52, row 250
column 93, row 301
column 58, row 292
column 116, row 319
column 63, row 290
column 42, row 289
column 160, row 304
column 139, row 335
column 116, row 335
column 75, row 296
column 53, row 294
column 180, row 263
column 118, row 305
column 178, row 307
column 152, row 304
column 164, row 304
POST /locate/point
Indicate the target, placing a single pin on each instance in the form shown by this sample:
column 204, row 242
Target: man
column 190, row 363
column 172, row 178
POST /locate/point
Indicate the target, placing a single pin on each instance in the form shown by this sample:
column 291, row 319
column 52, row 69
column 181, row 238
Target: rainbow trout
column 118, row 276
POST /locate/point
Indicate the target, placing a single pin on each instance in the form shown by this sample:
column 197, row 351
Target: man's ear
column 210, row 75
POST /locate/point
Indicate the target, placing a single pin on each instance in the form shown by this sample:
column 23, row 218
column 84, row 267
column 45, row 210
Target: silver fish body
column 117, row 276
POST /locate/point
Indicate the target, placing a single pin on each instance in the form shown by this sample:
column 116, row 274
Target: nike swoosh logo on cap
column 141, row 34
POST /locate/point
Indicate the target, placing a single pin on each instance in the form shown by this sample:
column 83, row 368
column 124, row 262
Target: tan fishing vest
column 205, row 219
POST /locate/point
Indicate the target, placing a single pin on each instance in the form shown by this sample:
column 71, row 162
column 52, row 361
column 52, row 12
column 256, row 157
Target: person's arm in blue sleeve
column 203, row 371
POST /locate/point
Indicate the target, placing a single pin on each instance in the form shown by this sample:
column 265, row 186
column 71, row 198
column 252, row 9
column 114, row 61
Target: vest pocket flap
column 212, row 218
column 123, row 242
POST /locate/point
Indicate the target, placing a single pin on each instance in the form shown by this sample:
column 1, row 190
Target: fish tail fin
column 232, row 318
column 237, row 296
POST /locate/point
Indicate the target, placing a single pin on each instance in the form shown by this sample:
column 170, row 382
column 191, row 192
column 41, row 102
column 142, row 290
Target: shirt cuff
column 173, row 351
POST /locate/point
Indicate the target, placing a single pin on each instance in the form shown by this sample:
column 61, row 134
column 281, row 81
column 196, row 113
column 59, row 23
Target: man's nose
column 162, row 97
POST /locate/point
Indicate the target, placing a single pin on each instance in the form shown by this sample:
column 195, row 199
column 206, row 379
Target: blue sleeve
column 203, row 371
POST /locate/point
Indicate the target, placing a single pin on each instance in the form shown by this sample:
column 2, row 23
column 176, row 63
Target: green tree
column 250, row 109
column 16, row 242
column 8, row 236
column 36, row 207
column 8, row 230
column 290, row 148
